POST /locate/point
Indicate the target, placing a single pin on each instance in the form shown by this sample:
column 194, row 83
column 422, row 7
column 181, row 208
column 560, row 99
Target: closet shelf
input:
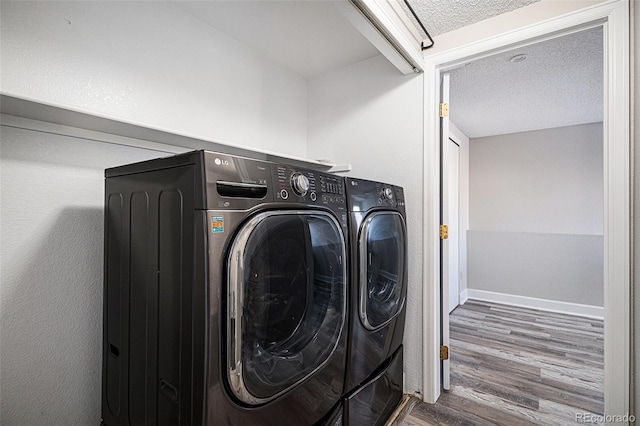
column 35, row 115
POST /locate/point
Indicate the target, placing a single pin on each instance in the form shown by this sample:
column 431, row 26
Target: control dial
column 387, row 194
column 299, row 183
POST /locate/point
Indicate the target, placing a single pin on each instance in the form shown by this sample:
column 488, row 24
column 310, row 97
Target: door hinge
column 444, row 110
column 444, row 232
column 444, row 353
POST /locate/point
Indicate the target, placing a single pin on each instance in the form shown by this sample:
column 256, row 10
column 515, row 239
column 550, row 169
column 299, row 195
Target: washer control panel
column 332, row 188
column 295, row 185
column 300, row 184
column 309, row 186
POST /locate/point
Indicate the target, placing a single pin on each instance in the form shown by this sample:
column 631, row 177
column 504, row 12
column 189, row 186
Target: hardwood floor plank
column 448, row 413
column 469, row 378
column 411, row 420
column 512, row 365
column 529, row 387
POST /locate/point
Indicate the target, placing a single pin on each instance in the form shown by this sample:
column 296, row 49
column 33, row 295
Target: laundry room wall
column 51, row 265
column 536, row 215
column 370, row 116
column 145, row 63
column 152, row 64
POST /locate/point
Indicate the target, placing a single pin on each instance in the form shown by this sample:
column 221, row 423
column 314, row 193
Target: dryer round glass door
column 286, row 301
column 382, row 246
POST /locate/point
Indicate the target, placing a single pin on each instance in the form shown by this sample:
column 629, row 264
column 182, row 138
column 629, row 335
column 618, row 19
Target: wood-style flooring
column 517, row 366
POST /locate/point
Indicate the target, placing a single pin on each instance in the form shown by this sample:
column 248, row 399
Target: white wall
column 370, row 116
column 51, row 262
column 536, row 214
column 51, row 224
column 150, row 64
column 145, row 63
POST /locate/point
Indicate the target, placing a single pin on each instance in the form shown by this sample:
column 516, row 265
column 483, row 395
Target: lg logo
column 220, row 162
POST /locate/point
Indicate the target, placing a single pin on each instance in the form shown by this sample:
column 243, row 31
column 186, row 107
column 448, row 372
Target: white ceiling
column 560, row 84
column 307, row 37
column 442, row 16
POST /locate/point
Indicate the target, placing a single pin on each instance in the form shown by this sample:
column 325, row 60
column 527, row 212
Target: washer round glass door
column 382, row 244
column 286, row 301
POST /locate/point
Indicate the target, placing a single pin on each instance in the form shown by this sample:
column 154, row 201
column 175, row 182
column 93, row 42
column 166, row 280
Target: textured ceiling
column 307, row 37
column 560, row 84
column 312, row 37
column 442, row 16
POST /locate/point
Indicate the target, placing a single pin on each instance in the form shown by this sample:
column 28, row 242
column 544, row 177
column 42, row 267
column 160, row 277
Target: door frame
column 443, row 139
column 614, row 17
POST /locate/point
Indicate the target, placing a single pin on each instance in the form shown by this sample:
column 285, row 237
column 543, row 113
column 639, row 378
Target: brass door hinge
column 444, row 232
column 444, row 110
column 444, row 353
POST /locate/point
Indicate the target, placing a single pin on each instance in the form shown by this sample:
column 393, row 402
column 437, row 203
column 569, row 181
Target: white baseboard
column 464, row 296
column 534, row 303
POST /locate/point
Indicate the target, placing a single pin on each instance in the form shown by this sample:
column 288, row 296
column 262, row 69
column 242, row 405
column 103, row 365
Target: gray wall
column 541, row 181
column 51, row 263
column 536, row 214
column 558, row 267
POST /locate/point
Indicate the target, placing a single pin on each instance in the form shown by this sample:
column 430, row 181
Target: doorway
column 535, row 191
column 617, row 183
column 525, row 205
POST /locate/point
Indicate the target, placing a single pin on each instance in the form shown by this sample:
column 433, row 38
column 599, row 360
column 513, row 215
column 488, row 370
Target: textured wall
column 375, row 124
column 558, row 267
column 51, row 262
column 541, row 181
column 536, row 214
column 151, row 64
column 141, row 62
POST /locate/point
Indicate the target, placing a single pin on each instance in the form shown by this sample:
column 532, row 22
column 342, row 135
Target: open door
column 444, row 241
column 453, row 223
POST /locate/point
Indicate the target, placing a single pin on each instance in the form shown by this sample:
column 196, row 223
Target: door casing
column 614, row 17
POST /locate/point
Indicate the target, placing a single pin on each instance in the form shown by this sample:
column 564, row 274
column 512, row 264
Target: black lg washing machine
column 378, row 250
column 225, row 298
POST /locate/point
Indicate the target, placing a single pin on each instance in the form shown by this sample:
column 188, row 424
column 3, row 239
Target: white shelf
column 35, row 115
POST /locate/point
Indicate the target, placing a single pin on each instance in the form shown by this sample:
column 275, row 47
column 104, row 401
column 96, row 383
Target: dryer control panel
column 364, row 195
